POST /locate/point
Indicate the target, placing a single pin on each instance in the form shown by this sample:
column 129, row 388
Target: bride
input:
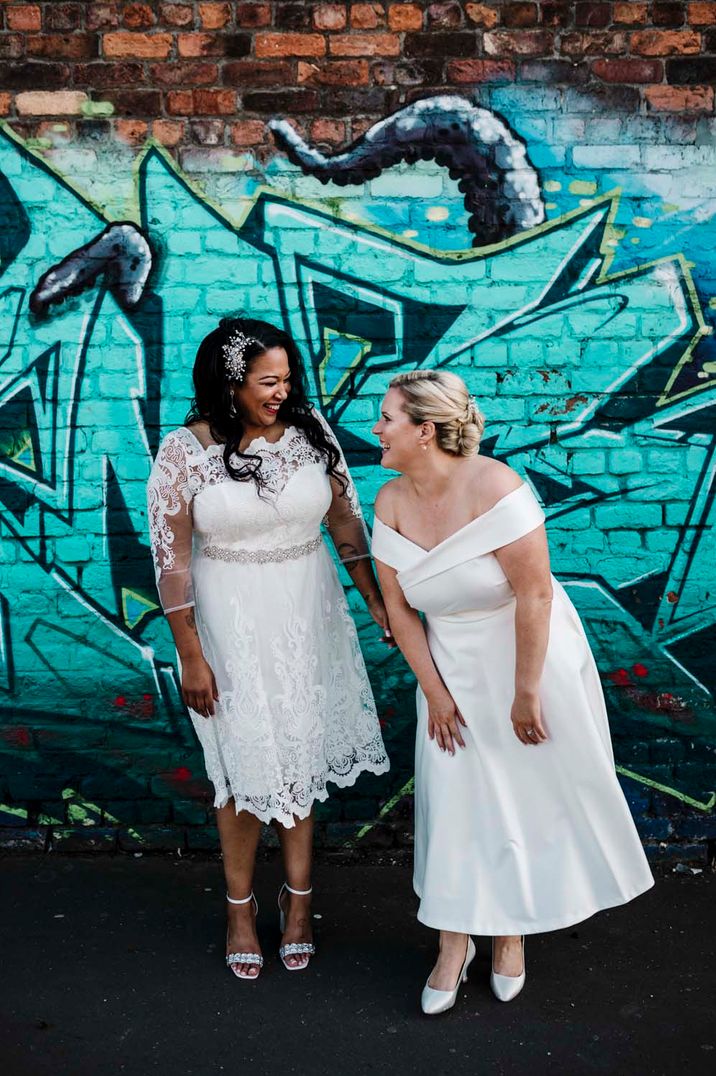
column 271, row 668
column 509, row 840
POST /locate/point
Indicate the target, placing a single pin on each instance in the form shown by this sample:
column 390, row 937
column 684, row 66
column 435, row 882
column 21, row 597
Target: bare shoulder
column 496, row 481
column 388, row 499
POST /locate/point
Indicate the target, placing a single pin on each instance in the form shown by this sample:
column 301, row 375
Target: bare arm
column 526, row 565
column 198, row 685
column 444, row 719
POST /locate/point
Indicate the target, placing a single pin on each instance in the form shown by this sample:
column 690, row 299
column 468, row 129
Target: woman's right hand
column 198, row 686
column 444, row 721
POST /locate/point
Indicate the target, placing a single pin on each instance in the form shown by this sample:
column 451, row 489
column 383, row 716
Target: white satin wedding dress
column 295, row 706
column 510, row 839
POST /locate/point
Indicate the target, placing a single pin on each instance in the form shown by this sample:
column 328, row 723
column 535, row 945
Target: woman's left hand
column 376, row 608
column 526, row 719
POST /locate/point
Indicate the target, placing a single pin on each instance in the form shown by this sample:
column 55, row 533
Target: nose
column 376, row 429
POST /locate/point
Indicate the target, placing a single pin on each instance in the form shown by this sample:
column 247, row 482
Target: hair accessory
column 233, row 351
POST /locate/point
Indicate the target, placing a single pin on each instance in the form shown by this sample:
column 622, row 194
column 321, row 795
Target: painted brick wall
column 581, row 315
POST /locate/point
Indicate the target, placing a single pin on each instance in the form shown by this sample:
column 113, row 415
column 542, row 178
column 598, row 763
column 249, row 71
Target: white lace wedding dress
column 295, row 706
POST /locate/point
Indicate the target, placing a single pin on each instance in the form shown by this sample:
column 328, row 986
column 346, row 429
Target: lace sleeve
column 344, row 519
column 169, row 500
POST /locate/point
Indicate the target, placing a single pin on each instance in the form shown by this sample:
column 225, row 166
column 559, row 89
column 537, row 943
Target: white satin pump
column 433, row 1001
column 507, row 987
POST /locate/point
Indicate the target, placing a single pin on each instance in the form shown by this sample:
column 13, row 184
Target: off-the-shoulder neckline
column 460, row 530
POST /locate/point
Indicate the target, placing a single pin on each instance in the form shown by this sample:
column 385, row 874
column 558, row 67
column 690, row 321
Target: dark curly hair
column 213, row 398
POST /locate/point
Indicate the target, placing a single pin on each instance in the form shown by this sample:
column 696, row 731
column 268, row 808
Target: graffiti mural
column 597, row 379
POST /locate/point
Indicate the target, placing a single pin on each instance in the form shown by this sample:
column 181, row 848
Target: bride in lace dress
column 271, row 667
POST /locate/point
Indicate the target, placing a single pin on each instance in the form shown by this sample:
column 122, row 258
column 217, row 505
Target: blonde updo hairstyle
column 442, row 398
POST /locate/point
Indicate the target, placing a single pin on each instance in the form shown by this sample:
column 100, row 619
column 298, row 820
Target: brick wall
column 585, row 331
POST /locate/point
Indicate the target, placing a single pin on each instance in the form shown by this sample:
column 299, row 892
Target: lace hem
column 285, row 812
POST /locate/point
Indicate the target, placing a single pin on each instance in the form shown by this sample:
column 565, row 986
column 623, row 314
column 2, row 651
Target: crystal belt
column 262, row 556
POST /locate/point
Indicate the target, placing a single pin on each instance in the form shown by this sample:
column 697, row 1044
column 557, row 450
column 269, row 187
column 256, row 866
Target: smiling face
column 400, row 439
column 265, row 387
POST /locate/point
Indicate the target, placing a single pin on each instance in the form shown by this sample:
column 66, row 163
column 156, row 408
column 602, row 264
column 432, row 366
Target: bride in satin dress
column 520, row 822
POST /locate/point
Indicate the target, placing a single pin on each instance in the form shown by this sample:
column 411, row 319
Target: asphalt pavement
column 115, row 965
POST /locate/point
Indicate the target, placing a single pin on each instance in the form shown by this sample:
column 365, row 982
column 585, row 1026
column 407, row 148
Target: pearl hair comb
column 234, row 360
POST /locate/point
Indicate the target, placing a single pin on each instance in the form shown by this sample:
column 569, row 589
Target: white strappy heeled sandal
column 234, row 959
column 306, row 949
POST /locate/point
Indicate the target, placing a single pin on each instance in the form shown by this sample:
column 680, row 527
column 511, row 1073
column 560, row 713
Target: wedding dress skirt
column 509, row 838
column 295, row 707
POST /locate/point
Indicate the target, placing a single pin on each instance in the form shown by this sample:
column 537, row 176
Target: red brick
column 63, row 16
column 214, row 102
column 128, row 45
column 365, row 45
column 257, row 73
column 519, row 15
column 632, row 14
column 187, row 73
column 481, row 71
column 680, row 98
column 180, row 102
column 178, row 15
column 36, row 76
column 252, row 16
column 590, row 14
column 665, row 42
column 102, row 16
column 518, row 43
column 5, row 104
column 407, row 16
column 667, row 14
column 63, row 46
column 134, row 132
column 168, row 132
column 333, row 73
column 271, row 46
column 702, row 14
column 628, row 70
column 215, row 16
column 556, row 13
column 290, row 100
column 482, row 15
column 444, row 16
column 12, row 46
column 597, row 43
column 367, row 16
column 200, row 44
column 329, row 17
column 102, row 75
column 138, row 17
column 248, row 133
column 25, row 17
column 333, row 131
column 131, row 103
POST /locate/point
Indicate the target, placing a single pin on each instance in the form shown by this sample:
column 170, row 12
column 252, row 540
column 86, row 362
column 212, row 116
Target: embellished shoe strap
column 297, row 949
column 244, row 900
column 245, row 958
column 298, row 892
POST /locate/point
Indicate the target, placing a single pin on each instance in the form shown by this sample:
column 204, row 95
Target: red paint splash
column 181, row 774
column 620, row 677
column 18, row 737
column 142, row 708
column 640, row 670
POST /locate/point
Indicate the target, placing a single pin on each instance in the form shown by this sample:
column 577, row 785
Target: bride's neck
column 434, row 476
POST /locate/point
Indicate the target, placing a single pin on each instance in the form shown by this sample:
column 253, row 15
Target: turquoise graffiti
column 597, row 386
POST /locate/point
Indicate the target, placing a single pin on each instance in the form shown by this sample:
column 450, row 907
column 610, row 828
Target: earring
column 232, row 408
column 424, row 448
